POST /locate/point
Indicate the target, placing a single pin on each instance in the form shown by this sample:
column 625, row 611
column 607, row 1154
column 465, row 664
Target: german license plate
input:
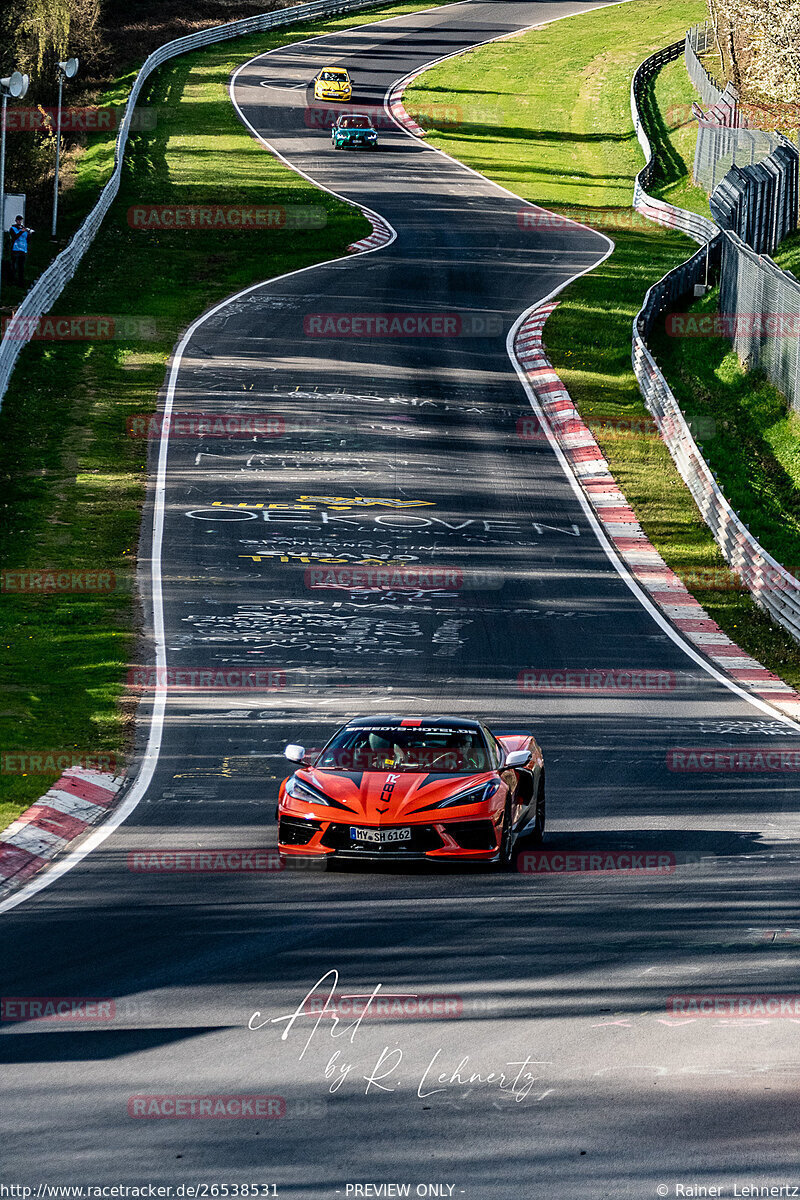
column 380, row 837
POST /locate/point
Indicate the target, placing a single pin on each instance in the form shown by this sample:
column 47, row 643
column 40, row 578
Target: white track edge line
column 153, row 748
column 611, row 553
column 151, row 754
column 622, row 569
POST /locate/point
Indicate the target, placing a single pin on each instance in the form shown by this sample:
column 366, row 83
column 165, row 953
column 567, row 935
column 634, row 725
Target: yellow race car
column 332, row 83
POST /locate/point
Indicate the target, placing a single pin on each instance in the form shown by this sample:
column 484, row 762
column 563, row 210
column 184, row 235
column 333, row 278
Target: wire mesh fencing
column 749, row 283
column 759, row 310
column 699, row 40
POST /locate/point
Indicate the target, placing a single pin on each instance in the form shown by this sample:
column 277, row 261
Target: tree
column 762, row 40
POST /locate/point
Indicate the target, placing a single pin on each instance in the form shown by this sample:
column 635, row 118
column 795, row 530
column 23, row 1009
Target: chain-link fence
column 720, row 147
column 759, row 310
column 699, row 40
column 51, row 283
column 723, row 138
column 749, row 283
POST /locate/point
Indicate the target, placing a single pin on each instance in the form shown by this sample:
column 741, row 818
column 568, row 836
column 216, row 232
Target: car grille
column 423, row 837
column 473, row 835
column 292, row 832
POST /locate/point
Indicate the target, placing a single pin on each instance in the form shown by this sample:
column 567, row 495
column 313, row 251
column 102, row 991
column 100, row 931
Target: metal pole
column 58, row 154
column 3, row 188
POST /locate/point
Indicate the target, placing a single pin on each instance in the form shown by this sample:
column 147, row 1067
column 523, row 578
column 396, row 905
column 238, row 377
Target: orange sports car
column 394, row 788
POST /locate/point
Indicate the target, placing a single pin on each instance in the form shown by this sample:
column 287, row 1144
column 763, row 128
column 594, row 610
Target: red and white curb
column 394, row 103
column 618, row 520
column 75, row 802
column 382, row 234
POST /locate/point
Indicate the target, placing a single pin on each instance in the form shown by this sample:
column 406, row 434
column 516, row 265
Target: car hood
column 386, row 797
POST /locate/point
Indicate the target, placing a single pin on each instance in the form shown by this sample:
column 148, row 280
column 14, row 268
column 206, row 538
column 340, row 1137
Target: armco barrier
column 52, row 282
column 699, row 228
column 772, row 587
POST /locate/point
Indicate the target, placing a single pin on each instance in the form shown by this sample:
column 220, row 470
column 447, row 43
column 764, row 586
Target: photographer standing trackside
column 19, row 233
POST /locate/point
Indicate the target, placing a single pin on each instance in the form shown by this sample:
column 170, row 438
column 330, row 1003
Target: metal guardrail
column 50, row 284
column 773, row 587
column 698, row 227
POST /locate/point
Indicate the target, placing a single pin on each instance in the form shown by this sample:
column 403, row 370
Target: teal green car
column 354, row 131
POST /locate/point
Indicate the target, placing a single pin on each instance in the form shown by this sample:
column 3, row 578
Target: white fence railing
column 772, row 586
column 50, row 284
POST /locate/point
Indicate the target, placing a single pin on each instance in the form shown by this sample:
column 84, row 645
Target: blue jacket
column 19, row 239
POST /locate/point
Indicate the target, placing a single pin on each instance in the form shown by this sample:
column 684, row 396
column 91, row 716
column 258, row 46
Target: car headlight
column 473, row 795
column 298, row 789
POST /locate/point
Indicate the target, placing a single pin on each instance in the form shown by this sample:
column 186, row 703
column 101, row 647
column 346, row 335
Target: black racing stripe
column 437, row 778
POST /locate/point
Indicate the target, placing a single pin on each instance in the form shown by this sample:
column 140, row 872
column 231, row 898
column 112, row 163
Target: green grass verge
column 71, row 480
column 755, row 447
column 559, row 133
column 787, row 256
column 667, row 110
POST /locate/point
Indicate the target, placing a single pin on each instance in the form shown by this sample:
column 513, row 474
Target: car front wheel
column 537, row 833
column 506, row 849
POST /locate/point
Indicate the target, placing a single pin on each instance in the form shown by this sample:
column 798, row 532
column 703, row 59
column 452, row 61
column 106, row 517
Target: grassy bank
column 71, row 479
column 560, row 134
column 755, row 450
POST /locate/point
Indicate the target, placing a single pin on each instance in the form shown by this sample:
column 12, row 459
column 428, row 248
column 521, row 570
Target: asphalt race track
column 409, row 449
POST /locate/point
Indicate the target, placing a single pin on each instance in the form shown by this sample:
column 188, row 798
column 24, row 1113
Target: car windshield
column 355, row 123
column 333, row 76
column 433, row 749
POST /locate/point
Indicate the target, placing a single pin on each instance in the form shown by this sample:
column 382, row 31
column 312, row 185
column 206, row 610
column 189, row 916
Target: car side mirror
column 295, row 754
column 516, row 758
